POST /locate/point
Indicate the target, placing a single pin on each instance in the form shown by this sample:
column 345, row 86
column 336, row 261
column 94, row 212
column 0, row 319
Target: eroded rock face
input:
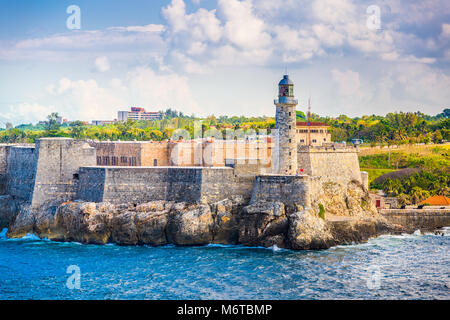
column 349, row 218
column 9, row 210
column 225, row 228
column 345, row 199
column 263, row 224
column 358, row 230
column 308, row 231
column 23, row 223
column 192, row 225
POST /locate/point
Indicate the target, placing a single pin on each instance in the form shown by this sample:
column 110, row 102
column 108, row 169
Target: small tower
column 286, row 123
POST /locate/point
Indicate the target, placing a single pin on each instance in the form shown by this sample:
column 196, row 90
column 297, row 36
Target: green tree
column 77, row 130
column 418, row 195
column 52, row 125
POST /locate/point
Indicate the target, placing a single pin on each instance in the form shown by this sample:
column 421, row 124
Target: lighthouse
column 285, row 161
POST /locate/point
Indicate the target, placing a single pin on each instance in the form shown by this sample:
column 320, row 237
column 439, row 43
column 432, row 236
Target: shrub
column 321, row 211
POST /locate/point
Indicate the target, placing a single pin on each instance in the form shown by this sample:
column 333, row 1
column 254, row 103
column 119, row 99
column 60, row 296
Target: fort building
column 55, row 170
column 319, row 133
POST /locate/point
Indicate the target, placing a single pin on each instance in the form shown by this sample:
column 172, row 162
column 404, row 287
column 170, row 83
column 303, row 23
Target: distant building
column 319, row 133
column 61, row 120
column 102, row 122
column 138, row 114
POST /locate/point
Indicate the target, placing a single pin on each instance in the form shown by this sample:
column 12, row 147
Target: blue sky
column 222, row 57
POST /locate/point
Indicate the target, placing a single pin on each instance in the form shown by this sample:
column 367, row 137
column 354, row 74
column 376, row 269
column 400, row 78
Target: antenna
column 309, row 121
column 285, row 70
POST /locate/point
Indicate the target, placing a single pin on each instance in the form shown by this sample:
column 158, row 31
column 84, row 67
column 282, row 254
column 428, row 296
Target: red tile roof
column 437, row 201
column 313, row 124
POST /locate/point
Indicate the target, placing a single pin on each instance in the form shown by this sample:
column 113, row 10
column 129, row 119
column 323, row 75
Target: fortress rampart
column 21, row 171
column 332, row 164
column 56, row 170
column 144, row 184
column 290, row 190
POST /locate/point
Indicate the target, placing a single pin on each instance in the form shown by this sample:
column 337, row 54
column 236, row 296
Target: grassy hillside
column 432, row 178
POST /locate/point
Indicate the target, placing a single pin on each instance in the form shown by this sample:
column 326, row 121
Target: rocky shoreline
column 348, row 219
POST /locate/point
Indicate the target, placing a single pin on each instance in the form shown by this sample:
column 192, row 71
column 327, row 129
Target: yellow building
column 319, row 133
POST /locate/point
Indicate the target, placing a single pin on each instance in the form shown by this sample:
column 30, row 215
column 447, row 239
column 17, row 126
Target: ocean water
column 389, row 267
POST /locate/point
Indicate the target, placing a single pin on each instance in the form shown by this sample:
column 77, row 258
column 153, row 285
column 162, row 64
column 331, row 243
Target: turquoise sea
column 389, row 267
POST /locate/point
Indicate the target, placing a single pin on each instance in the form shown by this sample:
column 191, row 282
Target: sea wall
column 144, row 184
column 414, row 219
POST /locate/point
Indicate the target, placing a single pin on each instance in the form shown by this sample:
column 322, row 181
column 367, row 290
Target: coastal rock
column 151, row 227
column 191, row 225
column 263, row 224
column 8, row 211
column 225, row 223
column 308, row 231
column 23, row 223
column 349, row 199
column 358, row 230
column 81, row 222
column 124, row 231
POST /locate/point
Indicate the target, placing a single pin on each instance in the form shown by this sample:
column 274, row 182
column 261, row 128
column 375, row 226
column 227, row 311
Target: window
column 155, row 162
column 132, row 161
column 114, row 161
column 290, row 153
column 314, row 141
column 99, row 160
column 123, row 160
column 106, row 161
column 290, row 140
column 302, row 140
column 290, row 113
column 76, row 176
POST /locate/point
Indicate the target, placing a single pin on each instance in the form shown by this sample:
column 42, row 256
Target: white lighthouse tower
column 285, row 161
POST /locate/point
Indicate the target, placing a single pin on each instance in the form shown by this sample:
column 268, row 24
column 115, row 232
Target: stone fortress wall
column 180, row 153
column 57, row 170
column 145, row 184
column 331, row 163
column 20, row 171
column 48, row 171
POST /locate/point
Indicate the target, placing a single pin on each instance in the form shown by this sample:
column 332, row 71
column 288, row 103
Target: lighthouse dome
column 286, row 81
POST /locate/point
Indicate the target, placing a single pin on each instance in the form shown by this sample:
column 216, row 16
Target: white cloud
column 347, row 81
column 445, row 30
column 244, row 35
column 26, row 112
column 152, row 28
column 242, row 28
column 332, row 11
column 102, row 64
column 88, row 100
